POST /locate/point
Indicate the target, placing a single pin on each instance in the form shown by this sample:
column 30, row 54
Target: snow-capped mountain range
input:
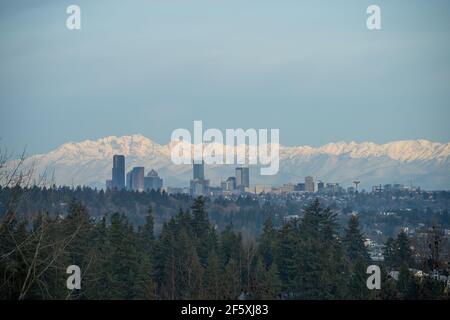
column 420, row 162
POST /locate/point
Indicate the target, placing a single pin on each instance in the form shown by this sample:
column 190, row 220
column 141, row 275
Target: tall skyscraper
column 199, row 185
column 320, row 186
column 231, row 184
column 118, row 172
column 300, row 187
column 199, row 171
column 152, row 181
column 309, row 184
column 135, row 179
column 242, row 178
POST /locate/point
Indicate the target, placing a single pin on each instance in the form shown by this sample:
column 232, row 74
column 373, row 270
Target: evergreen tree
column 390, row 253
column 231, row 281
column 404, row 253
column 354, row 241
column 266, row 283
column 213, row 281
column 357, row 288
column 267, row 243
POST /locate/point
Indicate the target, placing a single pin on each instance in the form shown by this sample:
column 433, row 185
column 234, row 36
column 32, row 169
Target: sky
column 309, row 68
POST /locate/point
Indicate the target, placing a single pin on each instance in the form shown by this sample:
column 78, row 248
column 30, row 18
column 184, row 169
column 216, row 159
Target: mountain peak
column 89, row 162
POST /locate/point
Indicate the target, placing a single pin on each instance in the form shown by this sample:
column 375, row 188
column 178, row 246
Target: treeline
column 245, row 213
column 306, row 259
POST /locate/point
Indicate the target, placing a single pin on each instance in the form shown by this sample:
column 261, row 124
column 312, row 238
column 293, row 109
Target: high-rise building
column 332, row 188
column 152, row 181
column 320, row 186
column 109, row 184
column 128, row 180
column 118, row 172
column 231, row 184
column 242, row 178
column 135, row 179
column 309, row 184
column 199, row 171
column 199, row 185
column 299, row 187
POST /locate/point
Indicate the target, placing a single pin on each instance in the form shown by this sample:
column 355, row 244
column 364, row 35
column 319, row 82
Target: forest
column 308, row 258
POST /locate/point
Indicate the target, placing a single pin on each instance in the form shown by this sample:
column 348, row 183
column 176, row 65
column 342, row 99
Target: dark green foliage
column 305, row 259
column 354, row 241
column 398, row 252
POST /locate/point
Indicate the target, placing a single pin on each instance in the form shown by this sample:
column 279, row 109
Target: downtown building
column 135, row 179
column 152, row 181
column 118, row 173
column 309, row 184
column 198, row 186
column 242, row 178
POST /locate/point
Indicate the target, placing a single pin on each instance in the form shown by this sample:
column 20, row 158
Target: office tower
column 109, row 184
column 300, row 187
column 135, row 179
column 309, row 184
column 332, row 187
column 118, row 172
column 320, row 186
column 199, row 185
column 129, row 180
column 199, row 171
column 242, row 178
column 152, row 181
column 231, row 184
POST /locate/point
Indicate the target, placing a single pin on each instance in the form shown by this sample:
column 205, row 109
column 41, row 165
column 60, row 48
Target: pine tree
column 357, row 288
column 145, row 286
column 231, row 281
column 267, row 243
column 404, row 254
column 407, row 285
column 213, row 284
column 266, row 283
column 288, row 257
column 201, row 228
column 354, row 241
column 320, row 270
column 390, row 253
column 195, row 277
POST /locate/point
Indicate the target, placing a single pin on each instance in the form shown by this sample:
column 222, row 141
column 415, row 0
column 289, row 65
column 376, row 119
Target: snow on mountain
column 421, row 162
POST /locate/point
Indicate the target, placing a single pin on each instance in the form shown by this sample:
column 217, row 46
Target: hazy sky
column 309, row 68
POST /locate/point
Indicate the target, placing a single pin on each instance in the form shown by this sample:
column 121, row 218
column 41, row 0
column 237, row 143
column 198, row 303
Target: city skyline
column 409, row 162
column 234, row 185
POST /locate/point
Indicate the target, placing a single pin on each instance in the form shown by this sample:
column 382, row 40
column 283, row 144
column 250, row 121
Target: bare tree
column 38, row 251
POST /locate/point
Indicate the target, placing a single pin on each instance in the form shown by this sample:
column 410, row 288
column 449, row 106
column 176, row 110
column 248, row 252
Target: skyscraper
column 199, row 185
column 118, row 172
column 242, row 178
column 135, row 179
column 231, row 184
column 199, row 171
column 309, row 184
column 152, row 181
column 320, row 186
